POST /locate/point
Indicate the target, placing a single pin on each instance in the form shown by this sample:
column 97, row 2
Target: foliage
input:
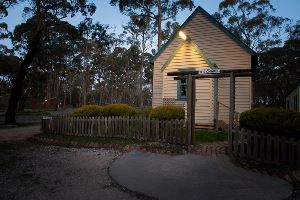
column 202, row 136
column 44, row 22
column 271, row 120
column 88, row 111
column 159, row 11
column 140, row 34
column 145, row 112
column 119, row 110
column 170, row 29
column 4, row 33
column 167, row 113
column 278, row 71
column 8, row 68
column 253, row 22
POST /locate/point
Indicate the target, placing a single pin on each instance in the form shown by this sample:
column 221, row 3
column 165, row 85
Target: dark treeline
column 53, row 63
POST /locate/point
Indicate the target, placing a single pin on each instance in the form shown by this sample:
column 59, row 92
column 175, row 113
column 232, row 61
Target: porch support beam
column 231, row 109
column 191, row 110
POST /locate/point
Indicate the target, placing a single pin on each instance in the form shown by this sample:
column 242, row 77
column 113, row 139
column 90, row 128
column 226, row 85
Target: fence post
column 298, row 154
column 269, row 148
column 242, row 143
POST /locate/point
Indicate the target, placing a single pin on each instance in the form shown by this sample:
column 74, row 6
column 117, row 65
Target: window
column 182, row 89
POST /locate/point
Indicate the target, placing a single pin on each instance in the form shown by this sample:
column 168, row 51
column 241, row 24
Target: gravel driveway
column 9, row 135
column 33, row 171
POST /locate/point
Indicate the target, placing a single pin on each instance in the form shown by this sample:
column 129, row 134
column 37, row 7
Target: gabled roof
column 196, row 48
column 215, row 22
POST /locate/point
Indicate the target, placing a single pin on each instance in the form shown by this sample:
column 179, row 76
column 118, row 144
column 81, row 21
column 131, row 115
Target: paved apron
column 194, row 177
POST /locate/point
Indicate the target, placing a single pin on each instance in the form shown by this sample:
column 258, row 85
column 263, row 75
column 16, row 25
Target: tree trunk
column 17, row 88
column 159, row 21
column 84, row 89
column 141, row 82
column 70, row 97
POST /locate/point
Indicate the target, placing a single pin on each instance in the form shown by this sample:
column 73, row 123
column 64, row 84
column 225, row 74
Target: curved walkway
column 194, row 177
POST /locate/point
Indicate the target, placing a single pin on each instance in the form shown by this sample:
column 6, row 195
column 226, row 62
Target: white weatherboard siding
column 188, row 57
column 220, row 49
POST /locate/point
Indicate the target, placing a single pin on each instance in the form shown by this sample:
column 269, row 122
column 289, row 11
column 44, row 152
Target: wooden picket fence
column 171, row 131
column 265, row 147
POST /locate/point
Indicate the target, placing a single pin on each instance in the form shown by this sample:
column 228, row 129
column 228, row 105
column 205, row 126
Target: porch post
column 216, row 103
column 191, row 110
column 231, row 109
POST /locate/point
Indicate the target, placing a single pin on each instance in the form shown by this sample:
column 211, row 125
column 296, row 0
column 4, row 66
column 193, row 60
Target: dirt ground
column 9, row 135
column 33, row 171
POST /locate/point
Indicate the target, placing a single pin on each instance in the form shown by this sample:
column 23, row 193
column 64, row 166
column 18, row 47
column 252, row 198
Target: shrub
column 167, row 113
column 277, row 121
column 145, row 112
column 88, row 111
column 119, row 110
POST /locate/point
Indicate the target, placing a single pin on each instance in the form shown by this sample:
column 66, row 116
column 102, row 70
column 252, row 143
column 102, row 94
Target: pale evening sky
column 110, row 15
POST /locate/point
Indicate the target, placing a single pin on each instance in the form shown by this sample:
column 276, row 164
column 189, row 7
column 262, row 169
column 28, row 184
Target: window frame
column 179, row 88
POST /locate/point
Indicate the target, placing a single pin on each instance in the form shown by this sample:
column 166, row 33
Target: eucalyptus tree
column 159, row 11
column 46, row 16
column 4, row 33
column 253, row 22
column 169, row 30
column 94, row 39
column 278, row 71
column 139, row 29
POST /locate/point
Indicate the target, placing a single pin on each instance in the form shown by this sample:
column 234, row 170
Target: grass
column 87, row 139
column 34, row 112
column 202, row 136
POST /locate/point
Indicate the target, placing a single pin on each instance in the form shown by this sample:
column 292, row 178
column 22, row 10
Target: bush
column 88, row 111
column 272, row 120
column 145, row 112
column 167, row 113
column 119, row 110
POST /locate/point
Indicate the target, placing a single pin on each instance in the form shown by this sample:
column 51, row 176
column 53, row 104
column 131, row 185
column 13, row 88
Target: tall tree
column 140, row 34
column 278, row 71
column 170, row 29
column 159, row 11
column 43, row 15
column 253, row 22
column 4, row 33
column 94, row 38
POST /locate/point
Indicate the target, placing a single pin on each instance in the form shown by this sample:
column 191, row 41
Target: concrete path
column 8, row 135
column 194, row 177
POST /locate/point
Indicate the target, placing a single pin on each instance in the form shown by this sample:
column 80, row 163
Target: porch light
column 182, row 35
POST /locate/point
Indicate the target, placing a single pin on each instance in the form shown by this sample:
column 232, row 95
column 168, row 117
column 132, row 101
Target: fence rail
column 172, row 131
column 265, row 147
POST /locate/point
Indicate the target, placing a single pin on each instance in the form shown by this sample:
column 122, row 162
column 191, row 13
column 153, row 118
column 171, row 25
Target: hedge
column 277, row 121
column 88, row 111
column 119, row 110
column 167, row 113
column 145, row 112
column 109, row 110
